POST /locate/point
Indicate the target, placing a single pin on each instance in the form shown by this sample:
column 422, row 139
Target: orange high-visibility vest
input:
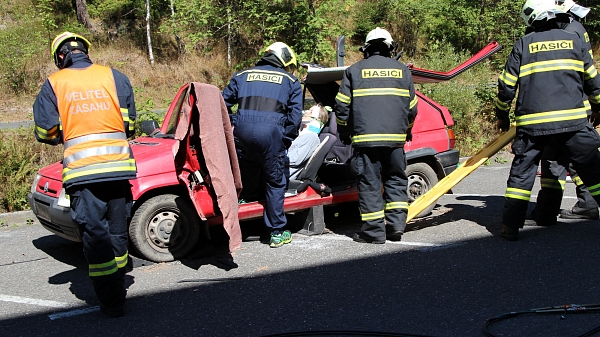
column 95, row 142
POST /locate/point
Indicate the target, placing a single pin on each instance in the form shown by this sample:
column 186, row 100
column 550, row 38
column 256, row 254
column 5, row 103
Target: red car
column 165, row 224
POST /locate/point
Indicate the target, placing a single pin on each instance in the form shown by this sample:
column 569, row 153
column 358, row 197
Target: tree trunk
column 82, row 14
column 228, row 37
column 312, row 11
column 175, row 30
column 481, row 35
column 150, row 54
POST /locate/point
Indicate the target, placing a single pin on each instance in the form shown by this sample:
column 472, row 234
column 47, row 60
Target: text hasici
column 88, row 101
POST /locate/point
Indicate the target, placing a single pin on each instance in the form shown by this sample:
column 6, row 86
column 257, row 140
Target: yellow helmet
column 76, row 41
column 284, row 53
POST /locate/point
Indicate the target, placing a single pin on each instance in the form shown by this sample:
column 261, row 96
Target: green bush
column 469, row 97
column 147, row 116
column 18, row 47
column 22, row 156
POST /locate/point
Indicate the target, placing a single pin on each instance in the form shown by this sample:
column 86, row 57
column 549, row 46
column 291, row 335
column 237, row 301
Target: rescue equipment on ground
column 460, row 173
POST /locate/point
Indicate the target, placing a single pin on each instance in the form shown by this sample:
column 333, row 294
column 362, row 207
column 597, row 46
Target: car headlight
column 35, row 183
column 63, row 199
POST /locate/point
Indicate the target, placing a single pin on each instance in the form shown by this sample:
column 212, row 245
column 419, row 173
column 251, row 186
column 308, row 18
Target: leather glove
column 287, row 142
column 595, row 119
column 345, row 135
column 409, row 134
column 503, row 125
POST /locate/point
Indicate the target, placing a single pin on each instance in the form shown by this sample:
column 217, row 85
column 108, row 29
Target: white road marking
column 337, row 237
column 73, row 313
column 25, row 300
column 494, row 195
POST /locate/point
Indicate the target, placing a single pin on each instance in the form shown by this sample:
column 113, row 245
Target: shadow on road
column 443, row 292
column 71, row 253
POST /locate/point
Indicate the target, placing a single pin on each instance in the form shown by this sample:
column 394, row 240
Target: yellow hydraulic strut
column 460, row 173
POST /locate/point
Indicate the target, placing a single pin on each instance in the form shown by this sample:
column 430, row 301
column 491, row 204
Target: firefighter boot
column 510, row 233
column 586, row 214
column 394, row 235
column 362, row 238
column 111, row 292
column 535, row 219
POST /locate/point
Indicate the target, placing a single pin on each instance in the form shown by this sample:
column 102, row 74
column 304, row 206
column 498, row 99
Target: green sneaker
column 278, row 240
column 286, row 236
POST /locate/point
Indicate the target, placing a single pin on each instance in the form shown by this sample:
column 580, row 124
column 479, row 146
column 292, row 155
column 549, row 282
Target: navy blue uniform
column 268, row 119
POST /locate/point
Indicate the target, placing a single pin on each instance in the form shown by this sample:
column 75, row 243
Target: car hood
column 153, row 156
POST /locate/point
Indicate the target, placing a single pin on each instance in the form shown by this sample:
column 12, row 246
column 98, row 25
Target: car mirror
column 150, row 128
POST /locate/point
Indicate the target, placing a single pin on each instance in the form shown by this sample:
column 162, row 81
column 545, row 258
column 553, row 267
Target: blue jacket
column 266, row 94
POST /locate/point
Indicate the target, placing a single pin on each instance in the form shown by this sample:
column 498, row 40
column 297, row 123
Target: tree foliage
column 245, row 27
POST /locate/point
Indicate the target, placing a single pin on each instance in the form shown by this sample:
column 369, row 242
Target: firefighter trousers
column 580, row 146
column 585, row 201
column 102, row 209
column 554, row 166
column 377, row 167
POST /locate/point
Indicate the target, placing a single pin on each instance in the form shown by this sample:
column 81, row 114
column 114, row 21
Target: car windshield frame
column 170, row 124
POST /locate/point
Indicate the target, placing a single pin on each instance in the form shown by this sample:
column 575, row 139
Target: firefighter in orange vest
column 90, row 109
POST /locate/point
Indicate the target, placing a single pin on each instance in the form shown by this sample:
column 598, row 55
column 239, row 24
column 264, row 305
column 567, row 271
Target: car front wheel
column 421, row 178
column 165, row 228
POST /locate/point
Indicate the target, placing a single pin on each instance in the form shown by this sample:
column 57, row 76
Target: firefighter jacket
column 88, row 108
column 552, row 69
column 577, row 28
column 266, row 94
column 376, row 102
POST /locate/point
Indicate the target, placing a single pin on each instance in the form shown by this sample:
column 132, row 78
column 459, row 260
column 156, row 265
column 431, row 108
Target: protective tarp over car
column 204, row 123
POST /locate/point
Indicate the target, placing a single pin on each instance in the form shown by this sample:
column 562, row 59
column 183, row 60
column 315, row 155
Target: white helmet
column 379, row 34
column 534, row 10
column 570, row 5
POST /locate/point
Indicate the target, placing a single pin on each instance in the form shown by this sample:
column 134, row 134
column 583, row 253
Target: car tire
column 421, row 178
column 165, row 228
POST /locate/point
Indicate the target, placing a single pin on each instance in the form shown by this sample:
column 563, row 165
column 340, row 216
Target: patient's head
column 319, row 116
column 319, row 113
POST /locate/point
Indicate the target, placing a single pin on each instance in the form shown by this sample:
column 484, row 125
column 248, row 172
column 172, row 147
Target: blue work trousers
column 262, row 165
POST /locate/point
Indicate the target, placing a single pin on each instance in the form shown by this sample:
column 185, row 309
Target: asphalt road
column 450, row 273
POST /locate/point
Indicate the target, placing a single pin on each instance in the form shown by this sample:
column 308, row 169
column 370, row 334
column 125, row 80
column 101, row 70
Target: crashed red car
column 166, row 224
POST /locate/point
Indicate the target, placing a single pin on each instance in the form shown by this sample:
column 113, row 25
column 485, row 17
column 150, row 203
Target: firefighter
column 268, row 118
column 375, row 108
column 554, row 164
column 552, row 69
column 90, row 109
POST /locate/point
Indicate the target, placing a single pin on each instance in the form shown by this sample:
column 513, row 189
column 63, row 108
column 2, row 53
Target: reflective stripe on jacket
column 377, row 101
column 96, row 146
